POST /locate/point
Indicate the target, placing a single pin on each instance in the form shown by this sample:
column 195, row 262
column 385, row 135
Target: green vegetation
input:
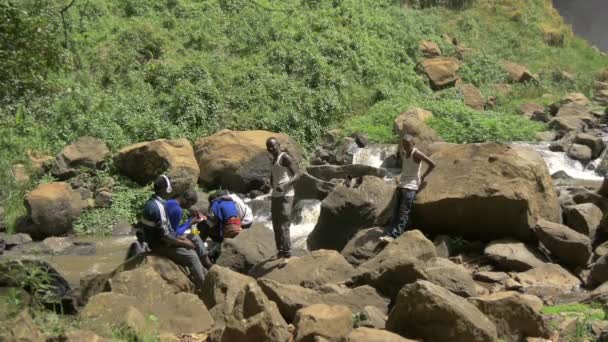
column 585, row 314
column 128, row 71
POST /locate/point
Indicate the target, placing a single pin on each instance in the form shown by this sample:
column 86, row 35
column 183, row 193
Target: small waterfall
column 375, row 155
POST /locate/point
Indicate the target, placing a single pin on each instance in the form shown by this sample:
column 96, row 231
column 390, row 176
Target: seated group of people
column 161, row 231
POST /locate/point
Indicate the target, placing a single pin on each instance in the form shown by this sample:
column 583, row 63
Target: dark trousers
column 401, row 220
column 281, row 214
column 191, row 259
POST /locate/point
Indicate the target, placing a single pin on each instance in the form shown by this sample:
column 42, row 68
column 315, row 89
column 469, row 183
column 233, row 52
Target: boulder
column 291, row 298
column 347, row 210
column 577, row 98
column 374, row 335
column 249, row 248
column 238, row 160
column 56, row 246
column 309, row 187
column 400, row 263
column 454, row 278
column 413, row 122
column 220, row 289
column 511, row 186
column 320, row 320
column 81, row 335
column 329, row 172
column 585, row 218
column 528, row 109
column 109, row 309
column 472, row 96
column 595, row 143
column 344, row 151
column 491, row 277
column 519, row 73
column 575, row 110
column 255, row 319
column 143, row 162
column 52, row 207
column 568, row 246
column 363, row 246
column 548, row 276
column 87, row 152
column 568, row 124
column 318, row 268
column 22, row 328
column 371, row 317
column 516, row 315
column 579, row 152
column 599, row 270
column 512, row 255
column 13, row 240
column 422, row 307
column 430, row 49
column 441, row 71
column 20, row 174
column 602, row 249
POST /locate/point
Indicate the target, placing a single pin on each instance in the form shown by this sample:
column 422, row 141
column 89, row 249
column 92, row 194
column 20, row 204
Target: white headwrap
column 169, row 188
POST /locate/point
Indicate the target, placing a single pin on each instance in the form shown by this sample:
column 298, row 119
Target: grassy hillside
column 130, row 70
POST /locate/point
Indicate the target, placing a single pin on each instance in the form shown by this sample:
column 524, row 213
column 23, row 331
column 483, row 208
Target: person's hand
column 196, row 219
column 187, row 244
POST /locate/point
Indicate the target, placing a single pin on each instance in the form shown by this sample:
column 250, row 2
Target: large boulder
column 220, row 290
column 595, row 143
column 329, row 172
column 519, row 73
column 585, row 218
column 486, row 191
column 400, row 263
column 347, row 210
column 255, row 319
column 576, row 111
column 516, row 315
column 320, row 320
column 599, row 270
column 547, row 281
column 441, row 71
column 145, row 161
column 52, row 207
column 87, row 152
column 249, row 248
column 364, row 245
column 513, row 255
column 579, row 152
column 318, row 268
column 472, row 96
column 568, row 246
column 309, row 187
column 413, row 122
column 238, row 160
column 291, row 298
column 427, row 311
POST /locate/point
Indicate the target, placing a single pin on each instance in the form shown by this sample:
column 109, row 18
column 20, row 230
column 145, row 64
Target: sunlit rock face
column 588, row 18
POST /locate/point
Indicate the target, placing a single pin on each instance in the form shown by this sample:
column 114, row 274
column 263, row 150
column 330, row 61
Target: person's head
column 187, row 199
column 273, row 146
column 162, row 186
column 407, row 143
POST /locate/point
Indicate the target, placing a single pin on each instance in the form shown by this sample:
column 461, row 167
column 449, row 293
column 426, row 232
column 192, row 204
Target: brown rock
column 331, row 172
column 38, row 161
column 329, row 322
column 513, row 255
column 580, row 152
column 413, row 122
column 585, row 218
column 85, row 152
column 510, row 185
column 567, row 245
column 20, row 174
column 347, row 210
column 145, row 161
column 567, row 124
column 220, row 289
column 441, row 71
column 53, row 207
column 238, row 160
column 472, row 96
column 577, row 98
column 246, row 250
column 595, row 143
column 81, row 335
column 363, row 246
column 430, row 49
column 422, row 307
column 528, row 109
column 491, row 277
column 599, row 270
column 519, row 73
column 546, row 136
column 549, row 275
column 515, row 315
column 602, row 249
column 454, row 278
column 374, row 335
column 22, row 328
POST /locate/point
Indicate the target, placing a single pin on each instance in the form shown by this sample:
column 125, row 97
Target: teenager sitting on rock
column 409, row 184
column 245, row 213
column 225, row 215
column 163, row 240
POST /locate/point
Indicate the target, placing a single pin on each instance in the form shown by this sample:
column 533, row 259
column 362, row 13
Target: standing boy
column 410, row 182
column 283, row 175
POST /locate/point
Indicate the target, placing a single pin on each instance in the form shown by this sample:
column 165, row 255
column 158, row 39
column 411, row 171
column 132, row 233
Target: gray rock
column 513, row 255
column 585, row 218
column 329, row 172
column 570, row 247
column 363, row 246
column 249, row 248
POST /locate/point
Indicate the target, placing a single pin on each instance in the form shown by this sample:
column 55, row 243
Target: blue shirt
column 224, row 210
column 174, row 214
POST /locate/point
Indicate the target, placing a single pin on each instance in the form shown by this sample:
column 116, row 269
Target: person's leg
column 186, row 258
column 286, row 205
column 275, row 211
column 406, row 202
column 201, row 250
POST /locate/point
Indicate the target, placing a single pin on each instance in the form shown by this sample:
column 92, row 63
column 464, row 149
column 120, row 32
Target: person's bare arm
column 288, row 162
column 429, row 162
